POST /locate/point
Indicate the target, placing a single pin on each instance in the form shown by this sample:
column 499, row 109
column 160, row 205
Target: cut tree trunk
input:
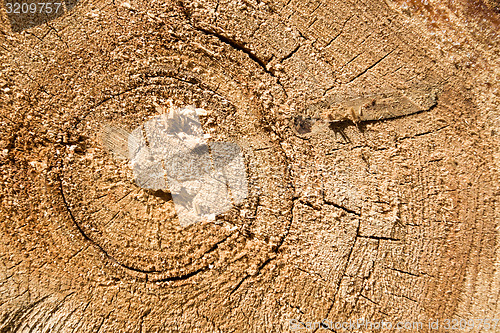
column 369, row 132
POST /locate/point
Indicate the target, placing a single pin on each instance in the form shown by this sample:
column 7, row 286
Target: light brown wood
column 391, row 215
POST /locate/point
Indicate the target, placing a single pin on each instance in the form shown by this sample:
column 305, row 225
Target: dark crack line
column 340, row 32
column 313, row 21
column 288, row 56
column 216, row 245
column 310, row 205
column 102, row 322
column 379, row 238
column 372, row 301
column 372, row 65
column 239, row 284
column 311, row 273
column 141, row 319
column 112, row 259
column 235, row 45
column 345, row 65
column 57, row 34
column 263, row 148
column 347, row 210
column 424, row 133
column 403, row 272
column 240, row 47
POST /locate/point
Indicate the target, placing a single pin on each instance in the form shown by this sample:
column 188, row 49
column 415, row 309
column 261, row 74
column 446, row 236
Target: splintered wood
column 365, row 108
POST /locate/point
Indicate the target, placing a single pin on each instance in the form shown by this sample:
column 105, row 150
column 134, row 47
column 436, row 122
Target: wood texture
column 390, row 213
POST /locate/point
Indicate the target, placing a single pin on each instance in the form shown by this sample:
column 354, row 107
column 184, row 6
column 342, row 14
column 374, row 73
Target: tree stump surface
column 384, row 209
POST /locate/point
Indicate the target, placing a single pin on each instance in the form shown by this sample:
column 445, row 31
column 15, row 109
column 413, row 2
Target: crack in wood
column 112, row 259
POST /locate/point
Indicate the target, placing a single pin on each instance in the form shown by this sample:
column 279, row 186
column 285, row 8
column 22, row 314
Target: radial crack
column 236, row 45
